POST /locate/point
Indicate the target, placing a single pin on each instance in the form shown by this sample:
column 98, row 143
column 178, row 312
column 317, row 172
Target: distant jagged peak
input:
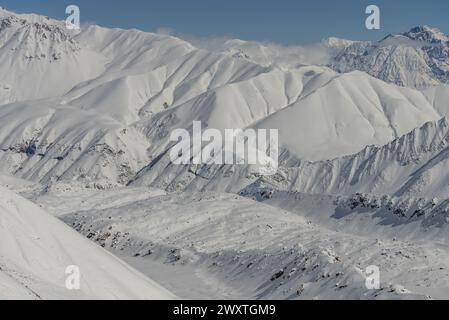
column 417, row 58
column 35, row 37
column 26, row 17
column 11, row 21
column 427, row 34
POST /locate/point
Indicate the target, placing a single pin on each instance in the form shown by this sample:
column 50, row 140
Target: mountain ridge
column 418, row 58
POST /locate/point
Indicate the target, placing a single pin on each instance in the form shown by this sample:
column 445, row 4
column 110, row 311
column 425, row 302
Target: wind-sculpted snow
column 119, row 121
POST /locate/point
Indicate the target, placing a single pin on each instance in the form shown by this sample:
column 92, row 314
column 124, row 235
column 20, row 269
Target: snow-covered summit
column 418, row 58
column 29, row 17
column 35, row 37
column 427, row 34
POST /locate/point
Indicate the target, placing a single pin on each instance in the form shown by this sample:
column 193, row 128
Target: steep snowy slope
column 40, row 58
column 36, row 249
column 397, row 190
column 410, row 166
column 44, row 141
column 108, row 132
column 347, row 114
column 333, row 117
column 413, row 165
column 438, row 96
column 418, row 58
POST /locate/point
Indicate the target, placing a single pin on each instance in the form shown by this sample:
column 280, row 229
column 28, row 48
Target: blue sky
column 282, row 21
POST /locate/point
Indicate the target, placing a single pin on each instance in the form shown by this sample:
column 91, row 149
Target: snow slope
column 347, row 114
column 105, row 135
column 40, row 58
column 410, row 166
column 413, row 166
column 36, row 249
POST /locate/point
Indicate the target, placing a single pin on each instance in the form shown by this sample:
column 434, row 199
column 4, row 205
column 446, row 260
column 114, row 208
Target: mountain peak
column 9, row 21
column 417, row 58
column 5, row 13
column 426, row 33
column 35, row 37
column 27, row 17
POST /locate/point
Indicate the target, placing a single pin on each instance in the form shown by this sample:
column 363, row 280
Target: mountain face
column 36, row 52
column 126, row 90
column 108, row 122
column 53, row 41
column 410, row 166
column 418, row 58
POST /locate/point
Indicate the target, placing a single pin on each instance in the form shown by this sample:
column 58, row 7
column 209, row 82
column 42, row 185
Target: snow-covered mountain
column 410, row 166
column 418, row 58
column 363, row 156
column 115, row 129
column 41, row 58
column 112, row 114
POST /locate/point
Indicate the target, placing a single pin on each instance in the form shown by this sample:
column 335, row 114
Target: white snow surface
column 36, row 249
